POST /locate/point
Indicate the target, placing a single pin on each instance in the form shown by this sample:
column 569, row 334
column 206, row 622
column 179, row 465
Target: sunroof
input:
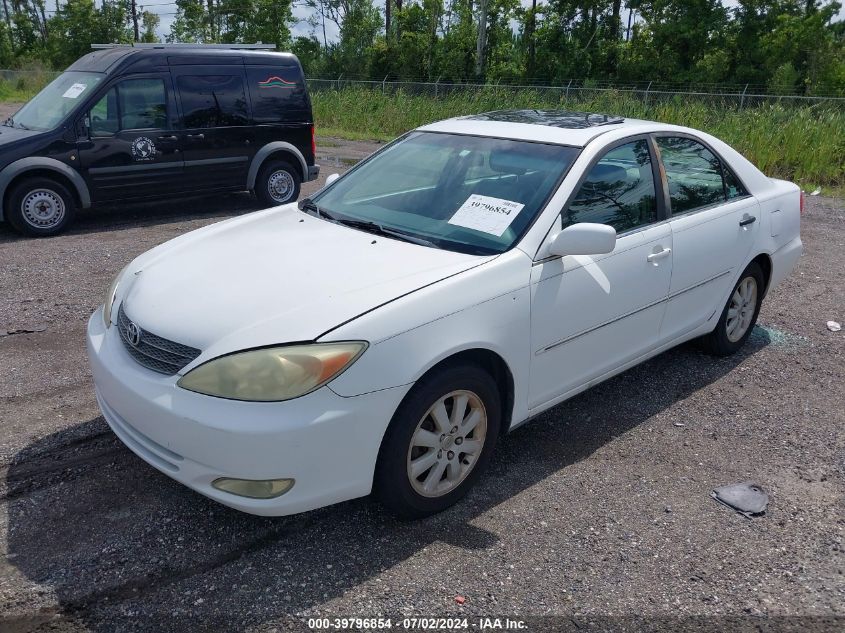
column 553, row 118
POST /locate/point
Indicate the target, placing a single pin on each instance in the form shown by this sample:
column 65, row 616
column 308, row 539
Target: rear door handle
column 747, row 220
column 168, row 137
column 196, row 136
column 659, row 255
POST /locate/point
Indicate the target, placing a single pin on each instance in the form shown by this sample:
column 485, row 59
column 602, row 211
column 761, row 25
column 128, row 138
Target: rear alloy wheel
column 439, row 442
column 739, row 314
column 40, row 207
column 278, row 183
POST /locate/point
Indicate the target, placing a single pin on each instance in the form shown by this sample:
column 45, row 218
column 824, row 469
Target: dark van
column 164, row 121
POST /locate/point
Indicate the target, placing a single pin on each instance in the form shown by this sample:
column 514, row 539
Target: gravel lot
column 600, row 507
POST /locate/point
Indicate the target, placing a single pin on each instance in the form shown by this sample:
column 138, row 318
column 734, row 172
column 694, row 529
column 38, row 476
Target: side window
column 103, row 118
column 213, row 100
column 278, row 94
column 143, row 104
column 693, row 172
column 733, row 187
column 619, row 190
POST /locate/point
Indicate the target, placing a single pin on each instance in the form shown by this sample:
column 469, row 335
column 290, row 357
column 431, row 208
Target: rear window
column 278, row 94
column 213, row 100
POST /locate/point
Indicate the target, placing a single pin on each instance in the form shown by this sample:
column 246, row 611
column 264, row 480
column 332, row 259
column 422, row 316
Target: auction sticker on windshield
column 486, row 214
column 74, row 91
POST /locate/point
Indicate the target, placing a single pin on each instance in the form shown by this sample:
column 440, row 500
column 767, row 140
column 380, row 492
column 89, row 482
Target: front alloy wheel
column 447, row 443
column 439, row 441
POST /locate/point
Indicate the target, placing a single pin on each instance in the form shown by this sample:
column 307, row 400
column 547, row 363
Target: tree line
column 783, row 45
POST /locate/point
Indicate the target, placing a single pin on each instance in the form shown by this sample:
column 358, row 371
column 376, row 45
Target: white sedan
column 381, row 336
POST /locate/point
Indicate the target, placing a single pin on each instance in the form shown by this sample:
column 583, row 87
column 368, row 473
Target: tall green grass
column 801, row 143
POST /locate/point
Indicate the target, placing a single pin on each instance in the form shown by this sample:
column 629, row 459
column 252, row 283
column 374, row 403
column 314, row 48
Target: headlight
column 109, row 302
column 274, row 373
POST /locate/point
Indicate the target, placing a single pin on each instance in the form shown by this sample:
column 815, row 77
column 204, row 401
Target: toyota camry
column 382, row 335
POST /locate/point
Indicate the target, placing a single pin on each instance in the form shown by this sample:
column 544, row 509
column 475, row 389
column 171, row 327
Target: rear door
column 131, row 147
column 219, row 136
column 713, row 220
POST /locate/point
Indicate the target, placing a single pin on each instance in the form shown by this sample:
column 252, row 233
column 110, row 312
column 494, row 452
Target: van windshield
column 50, row 106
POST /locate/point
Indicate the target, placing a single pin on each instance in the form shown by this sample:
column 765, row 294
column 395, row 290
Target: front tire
column 739, row 314
column 439, row 442
column 40, row 207
column 278, row 183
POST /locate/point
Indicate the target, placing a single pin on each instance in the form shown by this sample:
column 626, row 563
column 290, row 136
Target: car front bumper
column 327, row 443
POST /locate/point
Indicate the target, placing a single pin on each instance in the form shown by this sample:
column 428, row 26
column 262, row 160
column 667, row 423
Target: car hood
column 277, row 276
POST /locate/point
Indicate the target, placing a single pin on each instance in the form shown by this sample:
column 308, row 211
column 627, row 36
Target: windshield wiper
column 378, row 229
column 10, row 122
column 307, row 204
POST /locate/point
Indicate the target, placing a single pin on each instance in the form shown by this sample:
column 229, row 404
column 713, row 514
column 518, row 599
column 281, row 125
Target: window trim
column 662, row 209
column 723, row 164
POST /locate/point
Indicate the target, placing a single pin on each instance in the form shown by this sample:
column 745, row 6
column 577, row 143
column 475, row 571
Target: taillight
column 801, row 206
column 314, row 146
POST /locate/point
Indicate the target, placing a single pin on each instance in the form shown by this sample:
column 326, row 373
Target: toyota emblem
column 133, row 334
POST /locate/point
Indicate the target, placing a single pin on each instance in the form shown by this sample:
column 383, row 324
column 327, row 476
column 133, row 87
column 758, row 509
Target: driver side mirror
column 584, row 238
column 331, row 178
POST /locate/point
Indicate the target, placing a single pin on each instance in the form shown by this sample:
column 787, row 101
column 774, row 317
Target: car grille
column 155, row 352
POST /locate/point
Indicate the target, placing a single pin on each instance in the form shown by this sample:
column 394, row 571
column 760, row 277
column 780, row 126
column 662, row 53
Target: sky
column 166, row 10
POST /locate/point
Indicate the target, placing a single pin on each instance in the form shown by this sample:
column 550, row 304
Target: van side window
column 143, row 104
column 103, row 116
column 213, row 100
column 278, row 94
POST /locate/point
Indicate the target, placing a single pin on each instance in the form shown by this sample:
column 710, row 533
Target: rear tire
column 439, row 442
column 739, row 314
column 278, row 183
column 40, row 207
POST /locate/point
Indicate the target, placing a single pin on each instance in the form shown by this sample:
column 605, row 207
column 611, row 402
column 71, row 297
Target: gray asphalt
column 599, row 508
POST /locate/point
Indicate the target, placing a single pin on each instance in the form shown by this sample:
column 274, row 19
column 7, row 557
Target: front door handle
column 168, row 137
column 196, row 136
column 659, row 255
column 749, row 219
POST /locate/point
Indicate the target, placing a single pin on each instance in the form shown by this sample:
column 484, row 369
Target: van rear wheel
column 278, row 183
column 40, row 207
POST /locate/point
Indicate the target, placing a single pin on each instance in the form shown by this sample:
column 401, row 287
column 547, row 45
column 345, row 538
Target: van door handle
column 659, row 255
column 196, row 136
column 750, row 219
column 168, row 137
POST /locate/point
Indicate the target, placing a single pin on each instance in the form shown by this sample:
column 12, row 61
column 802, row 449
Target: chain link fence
column 735, row 95
column 738, row 96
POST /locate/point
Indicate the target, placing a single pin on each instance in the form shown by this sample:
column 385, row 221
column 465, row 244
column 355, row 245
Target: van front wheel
column 40, row 207
column 278, row 183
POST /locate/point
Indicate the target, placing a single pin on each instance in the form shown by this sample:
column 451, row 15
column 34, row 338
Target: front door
column 592, row 314
column 713, row 220
column 130, row 146
column 219, row 137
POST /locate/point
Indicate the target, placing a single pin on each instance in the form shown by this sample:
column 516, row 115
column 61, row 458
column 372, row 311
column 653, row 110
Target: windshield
column 50, row 106
column 465, row 193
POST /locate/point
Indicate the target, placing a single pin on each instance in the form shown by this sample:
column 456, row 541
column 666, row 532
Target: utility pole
column 135, row 21
column 482, row 38
column 387, row 4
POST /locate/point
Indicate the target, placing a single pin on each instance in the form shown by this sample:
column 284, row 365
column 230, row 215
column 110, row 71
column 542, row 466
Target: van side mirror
column 584, row 238
column 331, row 178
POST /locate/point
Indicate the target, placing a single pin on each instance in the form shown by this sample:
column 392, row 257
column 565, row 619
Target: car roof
column 564, row 127
column 120, row 58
